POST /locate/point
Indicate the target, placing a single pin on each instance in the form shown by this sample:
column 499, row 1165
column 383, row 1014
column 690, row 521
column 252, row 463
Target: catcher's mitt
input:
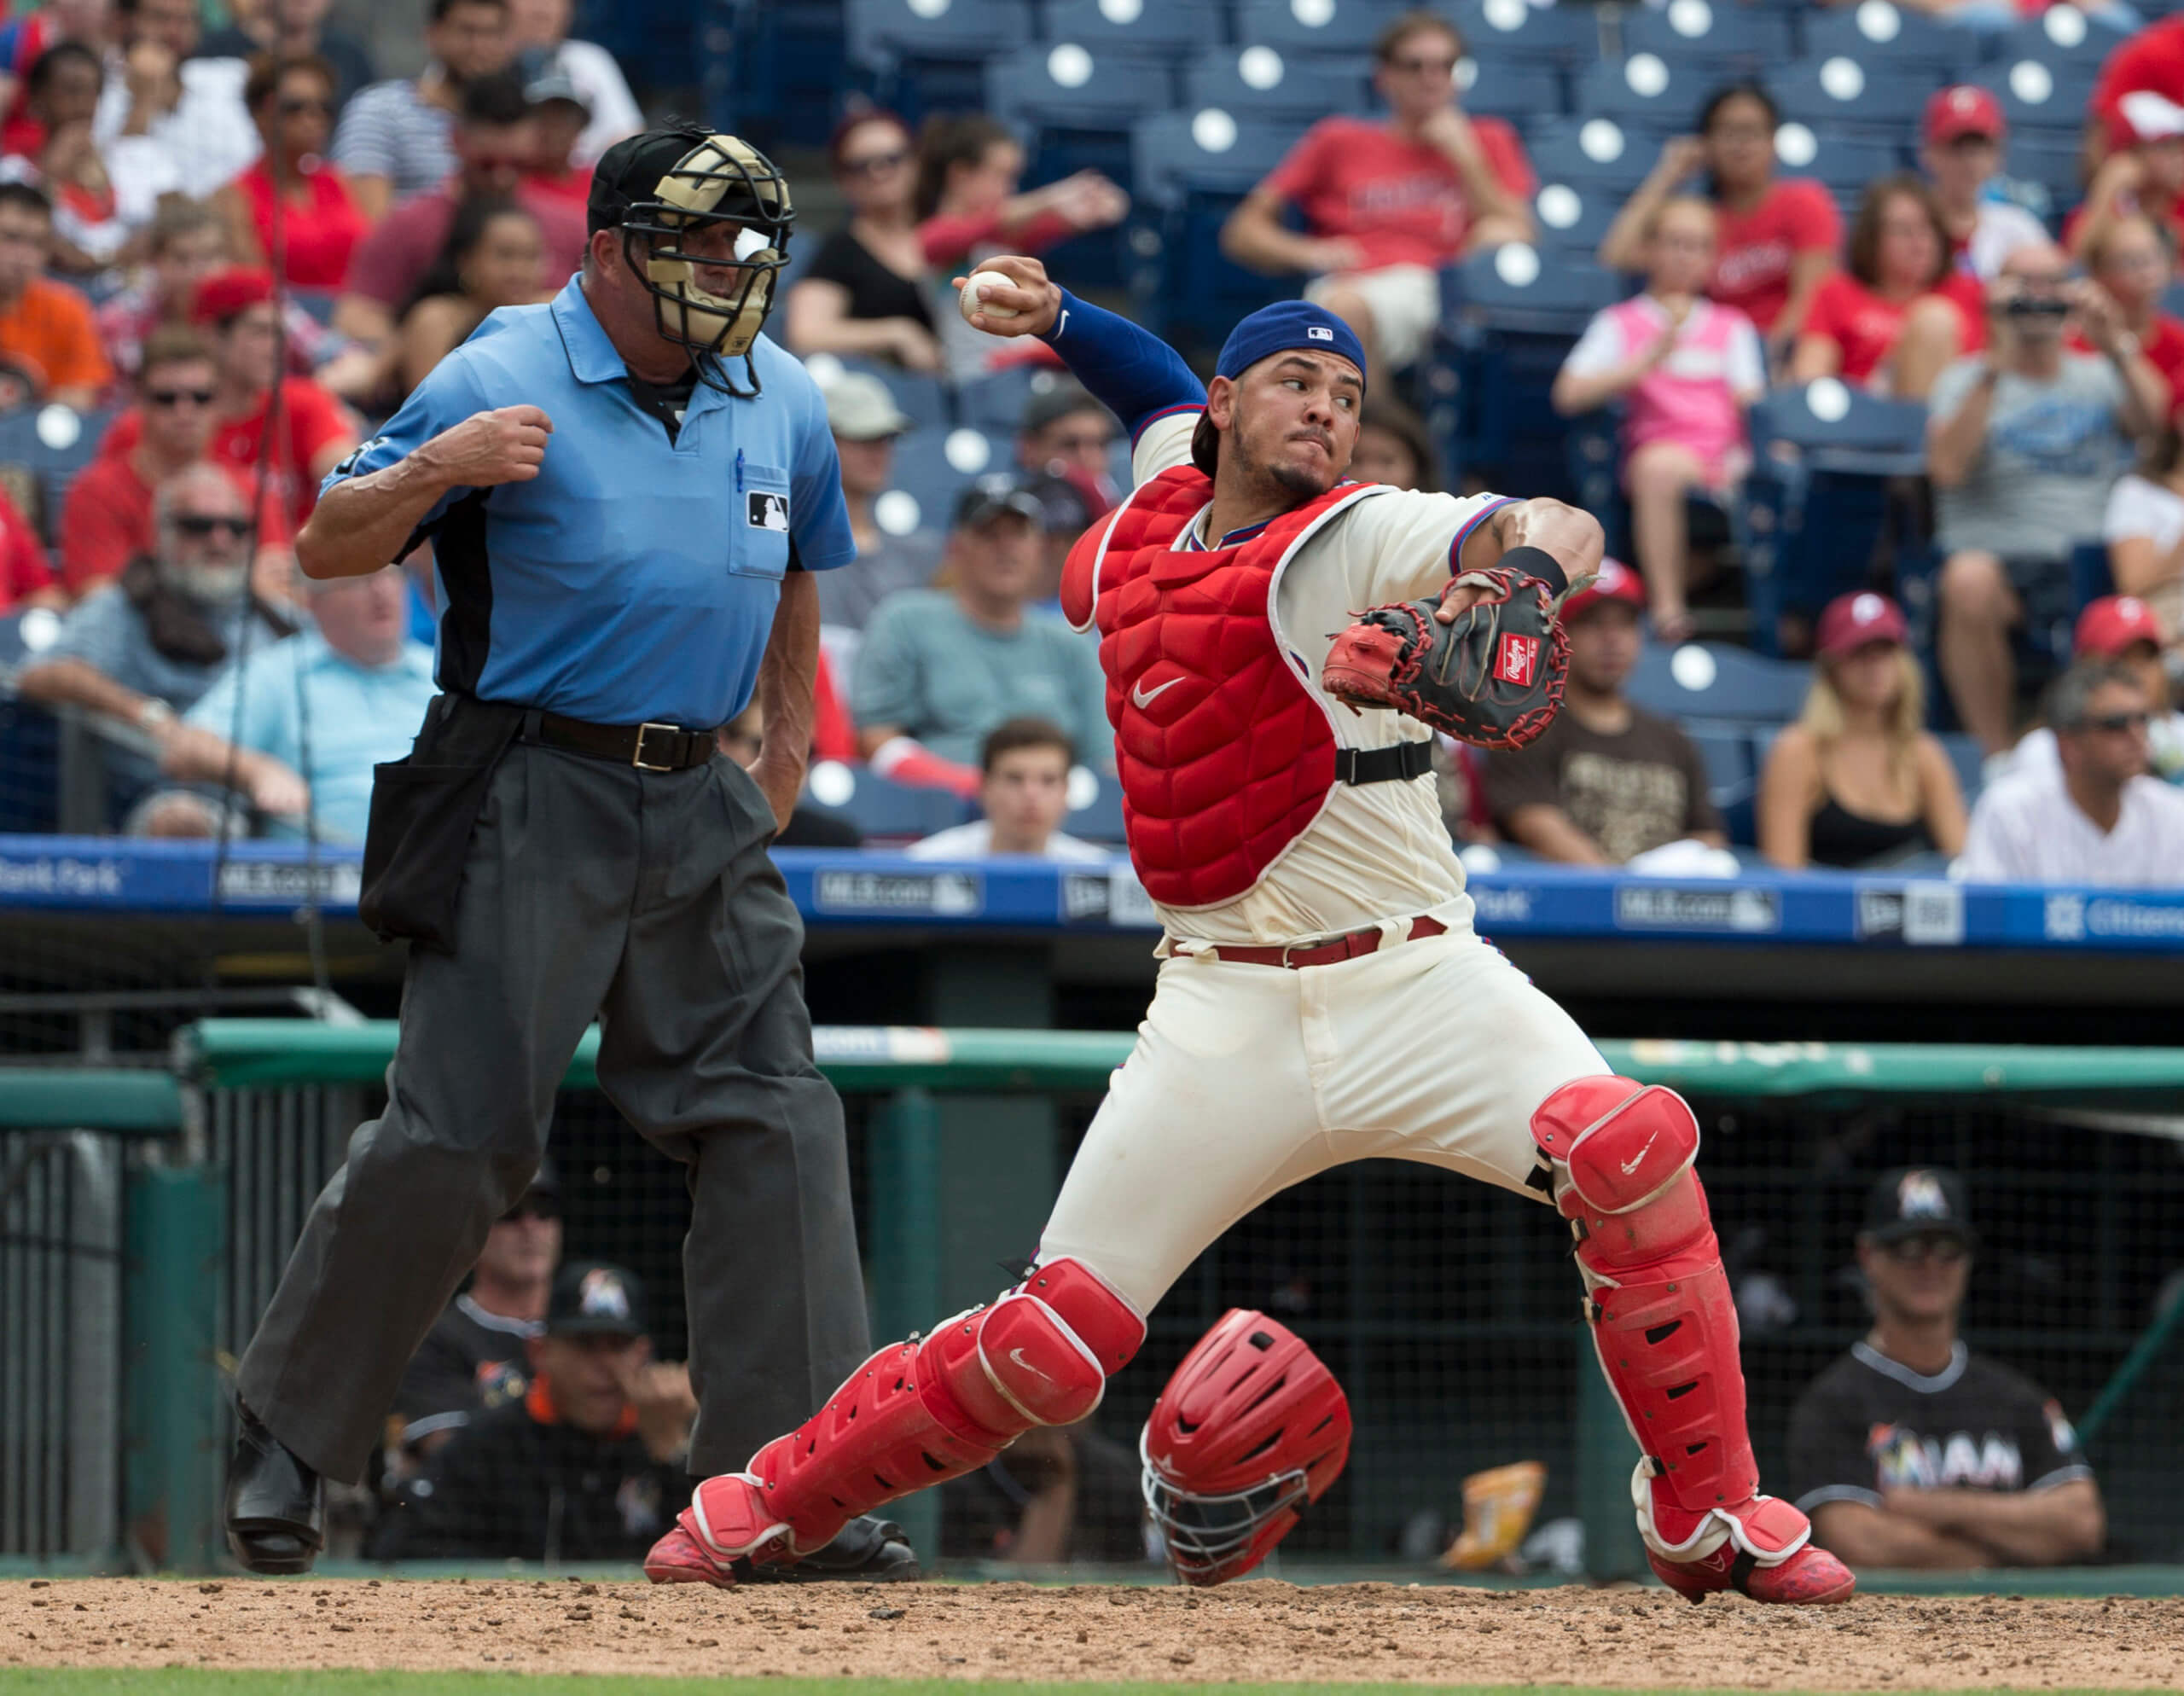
column 1492, row 676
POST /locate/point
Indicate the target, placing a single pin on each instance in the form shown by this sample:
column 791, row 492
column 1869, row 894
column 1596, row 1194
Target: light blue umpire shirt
column 633, row 580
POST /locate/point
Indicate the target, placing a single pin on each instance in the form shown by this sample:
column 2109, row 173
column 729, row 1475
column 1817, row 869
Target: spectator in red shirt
column 560, row 116
column 1901, row 312
column 2144, row 174
column 2132, row 263
column 26, row 573
column 1387, row 204
column 235, row 308
column 291, row 101
column 1964, row 132
column 106, row 521
column 496, row 146
column 1778, row 239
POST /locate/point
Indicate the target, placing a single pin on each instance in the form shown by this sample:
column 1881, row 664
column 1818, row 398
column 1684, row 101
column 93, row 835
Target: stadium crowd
column 227, row 243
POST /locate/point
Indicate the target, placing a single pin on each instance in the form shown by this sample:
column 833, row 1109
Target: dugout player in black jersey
column 1913, row 1451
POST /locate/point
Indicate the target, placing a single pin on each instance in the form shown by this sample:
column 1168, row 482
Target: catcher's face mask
column 1213, row 1538
column 708, row 246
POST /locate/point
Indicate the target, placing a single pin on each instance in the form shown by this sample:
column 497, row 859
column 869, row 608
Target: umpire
column 628, row 490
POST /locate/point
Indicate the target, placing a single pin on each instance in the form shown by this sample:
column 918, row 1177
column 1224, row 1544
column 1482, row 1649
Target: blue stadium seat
column 781, row 73
column 1167, row 27
column 1512, row 288
column 42, row 449
column 1101, row 819
column 1713, row 681
column 1598, row 152
column 1726, row 36
column 1260, row 83
column 923, row 398
column 1835, row 424
column 886, row 811
column 1846, row 163
column 1497, row 30
column 1837, row 92
column 29, row 767
column 923, row 58
column 2036, row 96
column 1646, row 91
column 1970, row 760
column 932, row 466
column 2060, row 36
column 2052, row 161
column 995, row 403
column 1314, row 25
column 1905, row 40
column 1572, row 217
column 1732, row 765
column 2091, row 574
column 1517, row 92
column 1207, row 150
column 1069, row 86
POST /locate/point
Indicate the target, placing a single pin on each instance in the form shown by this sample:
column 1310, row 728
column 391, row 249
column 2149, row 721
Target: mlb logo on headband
column 1319, row 332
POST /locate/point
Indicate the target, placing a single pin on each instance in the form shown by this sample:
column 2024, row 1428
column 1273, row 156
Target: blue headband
column 1285, row 326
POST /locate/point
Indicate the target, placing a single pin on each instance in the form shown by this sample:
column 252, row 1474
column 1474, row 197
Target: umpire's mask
column 696, row 209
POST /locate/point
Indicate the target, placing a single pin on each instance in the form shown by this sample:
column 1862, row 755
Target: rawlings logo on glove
column 1491, row 677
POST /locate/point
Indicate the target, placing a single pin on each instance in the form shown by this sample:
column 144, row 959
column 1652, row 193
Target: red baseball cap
column 2143, row 116
column 1852, row 620
column 2113, row 625
column 1966, row 109
column 227, row 293
column 1616, row 581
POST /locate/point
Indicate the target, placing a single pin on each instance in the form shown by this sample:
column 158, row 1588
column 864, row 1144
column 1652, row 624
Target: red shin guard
column 924, row 1412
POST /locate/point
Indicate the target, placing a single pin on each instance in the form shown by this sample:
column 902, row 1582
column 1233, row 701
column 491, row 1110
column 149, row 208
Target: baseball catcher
column 1322, row 996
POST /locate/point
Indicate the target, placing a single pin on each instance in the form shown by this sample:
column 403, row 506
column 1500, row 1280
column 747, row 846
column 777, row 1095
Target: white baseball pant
column 1246, row 1079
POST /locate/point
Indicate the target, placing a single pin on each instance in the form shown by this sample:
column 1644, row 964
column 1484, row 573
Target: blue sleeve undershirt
column 1137, row 375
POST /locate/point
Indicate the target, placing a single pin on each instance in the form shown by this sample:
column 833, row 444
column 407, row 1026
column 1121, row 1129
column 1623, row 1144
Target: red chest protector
column 1225, row 756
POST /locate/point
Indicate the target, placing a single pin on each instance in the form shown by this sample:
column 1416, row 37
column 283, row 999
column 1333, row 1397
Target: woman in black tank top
column 1855, row 780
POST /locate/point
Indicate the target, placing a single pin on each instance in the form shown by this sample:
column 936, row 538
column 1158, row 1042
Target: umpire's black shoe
column 276, row 1505
column 874, row 1551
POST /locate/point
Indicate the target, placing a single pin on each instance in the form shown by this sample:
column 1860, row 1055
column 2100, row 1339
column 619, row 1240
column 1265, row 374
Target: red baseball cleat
column 1812, row 1577
column 678, row 1558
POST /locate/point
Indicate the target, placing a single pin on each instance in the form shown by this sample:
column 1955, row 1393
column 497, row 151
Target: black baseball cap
column 988, row 497
column 1918, row 1201
column 628, row 172
column 591, row 1299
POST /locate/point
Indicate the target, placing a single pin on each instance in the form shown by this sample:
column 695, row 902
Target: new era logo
column 1319, row 333
column 1517, row 660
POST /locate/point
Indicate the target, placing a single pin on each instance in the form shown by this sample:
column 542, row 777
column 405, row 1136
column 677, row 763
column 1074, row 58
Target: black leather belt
column 1384, row 765
column 649, row 747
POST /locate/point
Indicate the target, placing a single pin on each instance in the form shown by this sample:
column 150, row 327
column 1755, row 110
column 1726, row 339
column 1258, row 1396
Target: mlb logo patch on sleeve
column 767, row 511
column 1517, row 660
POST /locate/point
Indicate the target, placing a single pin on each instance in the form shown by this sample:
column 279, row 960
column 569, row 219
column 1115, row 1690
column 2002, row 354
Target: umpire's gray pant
column 647, row 899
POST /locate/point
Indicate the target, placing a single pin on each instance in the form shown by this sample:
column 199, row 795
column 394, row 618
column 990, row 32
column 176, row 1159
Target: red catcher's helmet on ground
column 1251, row 1428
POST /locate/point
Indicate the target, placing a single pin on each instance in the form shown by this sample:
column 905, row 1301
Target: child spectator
column 292, row 102
column 1393, row 447
column 1856, row 780
column 2024, row 441
column 1687, row 368
column 28, row 37
column 1776, row 240
column 969, row 209
column 1608, row 779
column 1901, row 313
column 45, row 326
column 1387, row 204
column 866, row 290
column 2144, row 529
column 103, row 199
column 495, row 257
column 1962, row 152
column 1024, row 766
column 398, row 138
column 2130, row 261
column 234, row 309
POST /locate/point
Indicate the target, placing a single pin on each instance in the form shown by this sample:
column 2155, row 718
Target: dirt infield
column 1252, row 1631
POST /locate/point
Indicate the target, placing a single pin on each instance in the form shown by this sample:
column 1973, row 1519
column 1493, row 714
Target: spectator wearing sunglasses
column 472, row 1358
column 1912, row 1451
column 107, row 520
column 2094, row 815
column 293, row 211
column 865, row 291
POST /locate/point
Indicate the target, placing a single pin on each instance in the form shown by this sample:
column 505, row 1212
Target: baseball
column 974, row 287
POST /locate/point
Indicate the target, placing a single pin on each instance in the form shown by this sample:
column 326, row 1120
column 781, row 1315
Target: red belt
column 1348, row 946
